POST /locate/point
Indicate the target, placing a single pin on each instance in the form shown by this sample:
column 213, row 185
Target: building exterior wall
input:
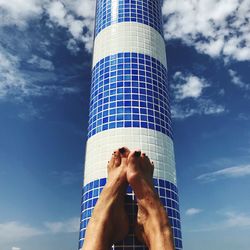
column 129, row 105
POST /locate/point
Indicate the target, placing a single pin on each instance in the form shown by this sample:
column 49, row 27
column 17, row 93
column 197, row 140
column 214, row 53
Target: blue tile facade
column 168, row 193
column 147, row 12
column 129, row 90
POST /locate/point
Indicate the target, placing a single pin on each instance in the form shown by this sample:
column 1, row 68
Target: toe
column 146, row 163
column 134, row 156
column 117, row 157
column 124, row 153
column 111, row 162
column 145, row 158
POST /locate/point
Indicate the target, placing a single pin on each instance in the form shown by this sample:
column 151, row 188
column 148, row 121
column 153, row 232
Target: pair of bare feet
column 109, row 222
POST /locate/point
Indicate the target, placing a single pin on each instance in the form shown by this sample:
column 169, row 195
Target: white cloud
column 229, row 220
column 17, row 84
column 77, row 16
column 188, row 86
column 72, row 45
column 67, row 226
column 235, row 78
column 197, row 107
column 80, row 23
column 57, row 13
column 17, row 230
column 193, row 211
column 243, row 117
column 17, row 12
column 41, row 63
column 191, row 87
column 29, row 112
column 15, row 248
column 200, row 107
column 206, row 26
column 235, row 220
column 232, row 172
column 202, row 24
column 11, row 78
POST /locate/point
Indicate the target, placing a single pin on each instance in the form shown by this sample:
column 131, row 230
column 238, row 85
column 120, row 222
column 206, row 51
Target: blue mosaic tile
column 170, row 203
column 128, row 98
column 147, row 12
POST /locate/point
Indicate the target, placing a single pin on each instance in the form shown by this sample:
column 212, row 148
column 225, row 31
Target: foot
column 109, row 221
column 140, row 177
column 117, row 182
column 152, row 225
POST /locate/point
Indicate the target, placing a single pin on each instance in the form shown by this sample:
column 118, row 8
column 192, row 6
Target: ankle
column 160, row 237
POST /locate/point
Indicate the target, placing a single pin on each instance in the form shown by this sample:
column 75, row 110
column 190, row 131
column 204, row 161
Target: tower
column 129, row 105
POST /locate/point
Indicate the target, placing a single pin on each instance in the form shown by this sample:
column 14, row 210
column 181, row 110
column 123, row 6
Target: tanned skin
column 109, row 222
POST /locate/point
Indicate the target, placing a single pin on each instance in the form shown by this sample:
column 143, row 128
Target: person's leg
column 153, row 226
column 109, row 221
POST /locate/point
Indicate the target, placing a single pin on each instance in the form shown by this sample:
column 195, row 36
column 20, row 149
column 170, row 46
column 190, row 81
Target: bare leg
column 152, row 221
column 109, row 221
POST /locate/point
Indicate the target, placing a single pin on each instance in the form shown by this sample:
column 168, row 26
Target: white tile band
column 129, row 37
column 157, row 146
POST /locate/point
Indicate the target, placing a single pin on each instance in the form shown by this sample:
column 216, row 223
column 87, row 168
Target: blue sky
column 45, row 62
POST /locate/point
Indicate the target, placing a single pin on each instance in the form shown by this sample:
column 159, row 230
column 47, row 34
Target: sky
column 45, row 70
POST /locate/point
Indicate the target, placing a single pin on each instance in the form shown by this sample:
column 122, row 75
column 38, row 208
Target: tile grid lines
column 160, row 184
column 129, row 37
column 129, row 93
column 159, row 147
column 147, row 12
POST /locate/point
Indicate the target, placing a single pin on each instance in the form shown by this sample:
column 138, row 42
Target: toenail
column 137, row 153
column 122, row 150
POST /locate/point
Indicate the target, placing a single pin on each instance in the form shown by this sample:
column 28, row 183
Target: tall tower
column 129, row 105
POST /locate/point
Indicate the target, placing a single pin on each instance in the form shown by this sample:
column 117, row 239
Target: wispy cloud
column 18, row 12
column 235, row 78
column 29, row 112
column 67, row 177
column 188, row 90
column 77, row 16
column 232, row 172
column 198, row 107
column 230, row 220
column 10, row 77
column 202, row 24
column 26, row 57
column 243, row 117
column 235, row 220
column 193, row 211
column 41, row 63
column 18, row 84
column 15, row 248
column 21, row 231
column 206, row 26
column 67, row 226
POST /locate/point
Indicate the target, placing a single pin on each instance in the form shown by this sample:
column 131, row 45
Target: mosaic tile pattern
column 168, row 193
column 147, row 12
column 129, row 37
column 129, row 90
column 129, row 105
column 158, row 146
